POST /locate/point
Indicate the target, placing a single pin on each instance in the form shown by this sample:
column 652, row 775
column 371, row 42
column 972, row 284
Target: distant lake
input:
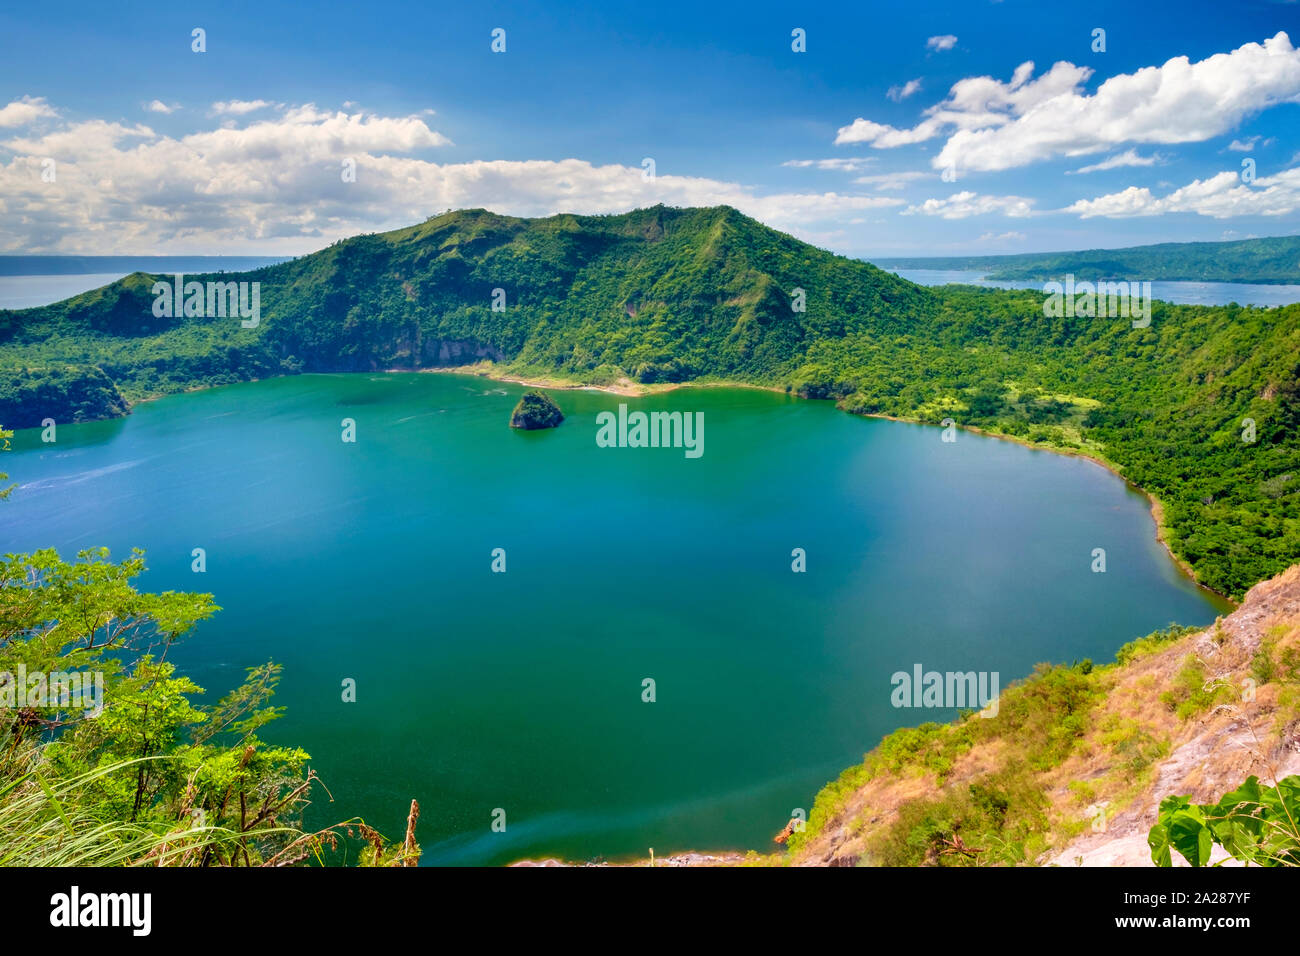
column 30, row 281
column 1182, row 293
column 523, row 690
column 28, row 291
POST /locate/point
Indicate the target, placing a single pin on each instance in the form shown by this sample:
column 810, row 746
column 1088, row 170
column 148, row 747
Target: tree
column 4, row 446
column 153, row 776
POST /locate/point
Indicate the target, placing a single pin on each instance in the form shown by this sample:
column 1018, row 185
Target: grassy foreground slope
column 1072, row 768
column 1275, row 259
column 678, row 295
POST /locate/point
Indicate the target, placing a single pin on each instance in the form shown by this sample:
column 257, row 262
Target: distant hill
column 1273, row 260
column 666, row 295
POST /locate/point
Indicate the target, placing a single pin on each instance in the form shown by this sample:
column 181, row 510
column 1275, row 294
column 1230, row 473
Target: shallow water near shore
column 523, row 691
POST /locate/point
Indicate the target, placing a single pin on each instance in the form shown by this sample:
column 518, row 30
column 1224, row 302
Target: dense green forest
column 1275, row 259
column 678, row 295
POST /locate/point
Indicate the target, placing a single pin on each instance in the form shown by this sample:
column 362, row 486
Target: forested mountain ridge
column 658, row 294
column 1270, row 260
column 677, row 295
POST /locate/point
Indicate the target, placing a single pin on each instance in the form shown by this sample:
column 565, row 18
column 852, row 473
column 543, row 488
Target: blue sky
column 155, row 148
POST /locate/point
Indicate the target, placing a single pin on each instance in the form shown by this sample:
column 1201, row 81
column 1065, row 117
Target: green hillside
column 674, row 295
column 1272, row 260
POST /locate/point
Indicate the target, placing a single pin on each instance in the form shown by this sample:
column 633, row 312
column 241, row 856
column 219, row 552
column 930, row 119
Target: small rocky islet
column 536, row 410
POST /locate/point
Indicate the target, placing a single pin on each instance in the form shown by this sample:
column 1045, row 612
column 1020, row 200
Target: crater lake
column 479, row 691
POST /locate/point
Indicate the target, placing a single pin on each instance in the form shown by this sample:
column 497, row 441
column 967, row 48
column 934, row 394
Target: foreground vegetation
column 1201, row 407
column 1073, row 748
column 1254, row 824
column 156, row 777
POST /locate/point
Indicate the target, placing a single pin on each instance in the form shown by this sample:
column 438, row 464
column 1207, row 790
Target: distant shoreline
column 986, row 276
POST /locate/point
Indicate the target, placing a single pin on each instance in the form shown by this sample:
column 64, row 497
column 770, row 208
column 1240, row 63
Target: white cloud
column 941, row 43
column 884, row 136
column 79, row 139
column 273, row 186
column 1221, row 196
column 846, row 164
column 238, row 107
column 972, row 104
column 1129, row 157
column 883, row 181
column 23, row 111
column 1246, row 145
column 304, row 132
column 963, row 205
column 158, row 106
column 1002, row 237
column 900, row 93
column 993, row 125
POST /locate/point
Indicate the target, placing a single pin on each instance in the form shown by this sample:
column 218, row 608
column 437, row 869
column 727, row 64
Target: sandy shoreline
column 625, row 387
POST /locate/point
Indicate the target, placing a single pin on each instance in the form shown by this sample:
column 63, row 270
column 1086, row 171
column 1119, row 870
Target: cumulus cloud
column 941, row 43
column 273, row 186
column 79, row 139
column 972, row 104
column 900, row 93
column 1221, row 196
column 1002, row 237
column 884, row 136
column 963, row 205
column 158, row 106
column 1129, row 157
column 993, row 125
column 23, row 111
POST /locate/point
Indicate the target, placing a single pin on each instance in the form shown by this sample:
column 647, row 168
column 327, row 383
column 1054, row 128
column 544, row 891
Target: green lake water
column 523, row 690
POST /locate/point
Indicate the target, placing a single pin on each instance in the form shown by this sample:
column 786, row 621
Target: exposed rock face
column 1214, row 752
column 536, row 410
column 458, row 352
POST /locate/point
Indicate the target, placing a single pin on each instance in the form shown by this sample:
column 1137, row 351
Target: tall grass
column 46, row 821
